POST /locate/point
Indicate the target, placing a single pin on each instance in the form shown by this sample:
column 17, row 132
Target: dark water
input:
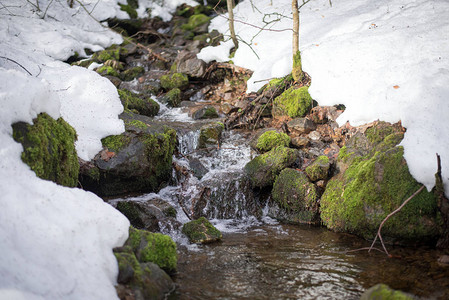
column 301, row 262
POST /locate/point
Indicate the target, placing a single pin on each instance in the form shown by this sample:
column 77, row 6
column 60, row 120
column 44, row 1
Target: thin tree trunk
column 231, row 23
column 295, row 40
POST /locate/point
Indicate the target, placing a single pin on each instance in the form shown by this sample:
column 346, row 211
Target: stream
column 259, row 258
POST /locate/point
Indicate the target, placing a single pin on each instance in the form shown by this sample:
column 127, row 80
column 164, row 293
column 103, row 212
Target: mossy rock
column 264, row 169
column 279, row 84
column 176, row 80
column 384, row 292
column 201, row 231
column 132, row 73
column 129, row 9
column 370, row 187
column 142, row 104
column 173, row 97
column 294, row 192
column 297, row 72
column 108, row 70
column 154, row 247
column 210, row 135
column 207, row 112
column 293, row 103
column 195, row 21
column 271, row 139
column 112, row 53
column 319, row 169
column 49, row 149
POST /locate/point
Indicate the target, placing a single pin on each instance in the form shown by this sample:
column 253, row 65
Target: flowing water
column 259, row 258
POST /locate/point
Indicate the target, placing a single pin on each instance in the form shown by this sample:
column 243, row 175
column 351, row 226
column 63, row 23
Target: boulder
column 201, row 231
column 49, row 149
column 210, row 135
column 300, row 126
column 176, row 80
column 139, row 160
column 138, row 103
column 293, row 103
column 271, row 139
column 374, row 180
column 383, row 292
column 319, row 169
column 205, row 112
column 296, row 198
column 264, row 169
column 187, row 63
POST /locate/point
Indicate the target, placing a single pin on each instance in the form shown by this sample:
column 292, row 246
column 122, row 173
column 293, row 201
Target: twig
column 365, row 248
column 387, row 217
column 151, row 52
column 17, row 64
column 46, row 9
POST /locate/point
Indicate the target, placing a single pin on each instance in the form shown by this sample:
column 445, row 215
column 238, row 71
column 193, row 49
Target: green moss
column 130, row 10
column 264, row 169
column 137, row 124
column 174, row 68
column 176, row 80
column 130, row 211
column 297, row 72
column 174, row 97
column 195, row 21
column 132, row 73
column 280, row 83
column 384, row 292
column 115, row 143
column 293, row 102
column 112, row 53
column 127, row 260
column 94, row 174
column 293, row 192
column 49, row 149
column 201, row 231
column 319, row 168
column 271, row 139
column 377, row 134
column 210, row 135
column 371, row 188
column 108, row 70
column 210, row 113
column 145, row 106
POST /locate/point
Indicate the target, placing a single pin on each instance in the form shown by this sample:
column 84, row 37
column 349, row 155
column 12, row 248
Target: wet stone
column 300, row 126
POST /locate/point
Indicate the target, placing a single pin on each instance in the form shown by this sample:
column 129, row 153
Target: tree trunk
column 231, row 23
column 443, row 205
column 295, row 40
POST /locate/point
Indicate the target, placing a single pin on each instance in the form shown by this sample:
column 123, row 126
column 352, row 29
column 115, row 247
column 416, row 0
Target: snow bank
column 161, row 8
column 383, row 59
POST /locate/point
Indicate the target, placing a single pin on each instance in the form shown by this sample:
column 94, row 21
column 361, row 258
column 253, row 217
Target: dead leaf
column 396, row 87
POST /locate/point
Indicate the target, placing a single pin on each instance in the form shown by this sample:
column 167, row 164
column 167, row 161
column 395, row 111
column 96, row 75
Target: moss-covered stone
column 49, row 149
column 279, row 84
column 295, row 193
column 108, row 70
column 176, row 80
column 370, row 187
column 173, row 97
column 384, row 292
column 271, row 139
column 143, row 105
column 201, row 231
column 115, row 143
column 154, row 247
column 136, row 124
column 319, row 169
column 293, row 103
column 112, row 53
column 210, row 135
column 264, row 169
column 195, row 21
column 297, row 72
column 132, row 73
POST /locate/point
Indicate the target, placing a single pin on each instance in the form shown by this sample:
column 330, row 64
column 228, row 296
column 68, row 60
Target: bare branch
column 11, row 60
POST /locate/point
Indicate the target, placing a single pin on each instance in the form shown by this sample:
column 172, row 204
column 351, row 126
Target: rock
column 226, row 195
column 372, row 182
column 142, row 280
column 187, row 63
column 198, row 169
column 139, row 103
column 319, row 169
column 176, row 80
column 149, row 214
column 264, row 169
column 139, row 160
column 271, row 139
column 210, row 135
column 115, row 81
column 153, row 247
column 295, row 194
column 172, row 98
column 300, row 126
column 293, row 103
column 314, row 136
column 198, row 23
column 206, row 112
column 132, row 73
column 49, row 149
column 300, row 142
column 384, row 292
column 323, row 114
column 201, row 231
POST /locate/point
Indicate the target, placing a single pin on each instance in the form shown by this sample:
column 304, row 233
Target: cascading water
column 259, row 258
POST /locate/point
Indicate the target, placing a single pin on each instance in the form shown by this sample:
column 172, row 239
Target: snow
column 384, row 60
column 56, row 242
